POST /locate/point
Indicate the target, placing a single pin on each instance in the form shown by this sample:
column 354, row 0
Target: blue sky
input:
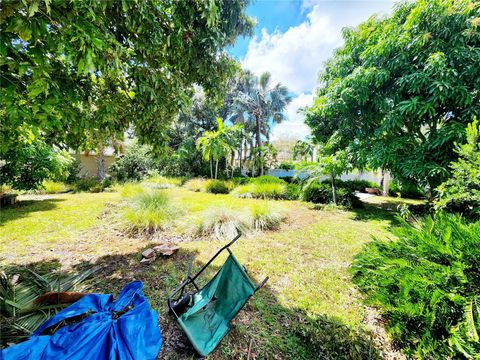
column 292, row 40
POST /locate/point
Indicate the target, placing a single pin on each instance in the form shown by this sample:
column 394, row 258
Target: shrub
column 88, row 184
column 357, row 185
column 134, row 164
column 197, row 184
column 427, row 285
column 267, row 179
column 26, row 166
column 287, row 165
column 406, row 189
column 240, row 180
column 53, row 187
column 264, row 218
column 321, row 192
column 292, row 192
column 218, row 186
column 149, row 212
column 261, row 190
column 222, row 223
column 461, row 193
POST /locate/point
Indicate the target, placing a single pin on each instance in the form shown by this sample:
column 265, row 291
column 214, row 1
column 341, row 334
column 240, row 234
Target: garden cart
column 205, row 314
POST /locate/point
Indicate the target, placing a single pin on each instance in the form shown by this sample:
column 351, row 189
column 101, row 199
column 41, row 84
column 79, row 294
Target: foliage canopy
column 70, row 69
column 402, row 88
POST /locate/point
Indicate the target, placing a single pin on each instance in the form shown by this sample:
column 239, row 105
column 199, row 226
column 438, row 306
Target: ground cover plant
column 426, row 283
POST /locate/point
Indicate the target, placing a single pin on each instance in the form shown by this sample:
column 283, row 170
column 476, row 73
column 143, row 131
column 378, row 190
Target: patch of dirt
column 374, row 322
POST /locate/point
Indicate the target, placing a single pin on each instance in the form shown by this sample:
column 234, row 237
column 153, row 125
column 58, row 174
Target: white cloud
column 294, row 127
column 295, row 57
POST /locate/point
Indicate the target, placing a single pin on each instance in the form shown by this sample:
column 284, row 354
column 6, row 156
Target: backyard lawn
column 309, row 305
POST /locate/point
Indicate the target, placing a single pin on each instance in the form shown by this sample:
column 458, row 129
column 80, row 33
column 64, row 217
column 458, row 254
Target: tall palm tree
column 263, row 102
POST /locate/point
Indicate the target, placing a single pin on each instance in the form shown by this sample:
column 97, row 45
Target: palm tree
column 263, row 102
column 218, row 144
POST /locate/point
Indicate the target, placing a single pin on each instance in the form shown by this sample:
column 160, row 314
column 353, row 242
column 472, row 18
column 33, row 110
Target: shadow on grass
column 264, row 327
column 376, row 212
column 24, row 207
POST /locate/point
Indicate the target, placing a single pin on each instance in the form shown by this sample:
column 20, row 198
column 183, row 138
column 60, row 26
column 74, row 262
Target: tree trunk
column 385, row 181
column 334, row 188
column 216, row 169
column 211, row 167
column 259, row 140
column 232, row 162
column 101, row 162
column 240, row 155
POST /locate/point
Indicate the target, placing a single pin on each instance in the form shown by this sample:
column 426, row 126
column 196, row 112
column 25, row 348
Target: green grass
column 307, row 261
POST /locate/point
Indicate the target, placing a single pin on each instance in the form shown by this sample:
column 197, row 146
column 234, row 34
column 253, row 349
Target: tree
column 401, row 90
column 263, row 102
column 330, row 162
column 218, row 144
column 462, row 191
column 303, row 149
column 147, row 55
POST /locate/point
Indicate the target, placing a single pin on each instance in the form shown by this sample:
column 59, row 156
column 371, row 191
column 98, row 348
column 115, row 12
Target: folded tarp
column 102, row 329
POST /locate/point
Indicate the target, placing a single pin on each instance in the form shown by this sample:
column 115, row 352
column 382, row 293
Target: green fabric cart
column 205, row 314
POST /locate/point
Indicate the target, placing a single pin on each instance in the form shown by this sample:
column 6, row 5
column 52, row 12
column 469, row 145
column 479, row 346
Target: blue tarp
column 116, row 330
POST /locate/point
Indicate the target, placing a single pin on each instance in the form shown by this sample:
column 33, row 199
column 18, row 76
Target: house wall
column 88, row 164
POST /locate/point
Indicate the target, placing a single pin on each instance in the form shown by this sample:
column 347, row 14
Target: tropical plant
column 303, row 149
column 426, row 284
column 330, row 162
column 398, row 93
column 461, row 193
column 262, row 102
column 23, row 308
column 321, row 193
column 218, row 144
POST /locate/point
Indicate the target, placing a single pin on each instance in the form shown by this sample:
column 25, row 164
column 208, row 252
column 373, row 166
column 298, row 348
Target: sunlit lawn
column 307, row 262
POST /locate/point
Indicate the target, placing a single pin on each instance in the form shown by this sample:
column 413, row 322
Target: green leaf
column 33, row 8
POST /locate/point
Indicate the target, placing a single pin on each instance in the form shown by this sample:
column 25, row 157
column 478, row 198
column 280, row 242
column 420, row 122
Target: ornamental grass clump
column 222, row 223
column 163, row 182
column 427, row 284
column 53, row 187
column 196, row 184
column 149, row 212
column 263, row 217
column 261, row 190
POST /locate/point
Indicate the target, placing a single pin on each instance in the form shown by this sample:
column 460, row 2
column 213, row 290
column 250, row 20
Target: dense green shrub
column 406, row 189
column 26, row 167
column 261, row 190
column 134, row 164
column 292, row 192
column 218, row 186
column 287, row 165
column 461, row 193
column 88, row 184
column 267, row 179
column 357, row 185
column 321, row 192
column 427, row 284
